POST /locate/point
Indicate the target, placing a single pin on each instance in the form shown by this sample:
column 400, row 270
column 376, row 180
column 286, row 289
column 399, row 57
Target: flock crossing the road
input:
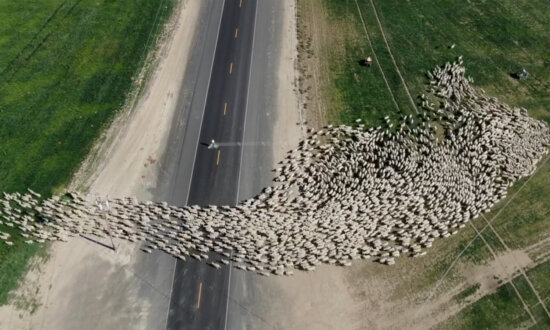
column 345, row 193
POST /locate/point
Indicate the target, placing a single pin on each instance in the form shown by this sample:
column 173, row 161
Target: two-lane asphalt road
column 215, row 173
column 199, row 297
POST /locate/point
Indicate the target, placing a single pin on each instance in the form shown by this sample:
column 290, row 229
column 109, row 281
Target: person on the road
column 213, row 145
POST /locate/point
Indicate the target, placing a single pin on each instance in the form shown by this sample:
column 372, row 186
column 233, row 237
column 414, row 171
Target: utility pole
column 103, row 206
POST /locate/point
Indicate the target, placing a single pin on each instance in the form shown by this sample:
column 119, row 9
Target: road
column 199, row 295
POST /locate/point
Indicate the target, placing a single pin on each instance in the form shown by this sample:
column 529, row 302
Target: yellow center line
column 200, row 293
column 236, row 32
column 218, row 160
column 240, row 3
column 224, row 108
column 231, row 68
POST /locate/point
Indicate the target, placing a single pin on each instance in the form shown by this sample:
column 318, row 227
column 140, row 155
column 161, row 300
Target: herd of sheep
column 345, row 193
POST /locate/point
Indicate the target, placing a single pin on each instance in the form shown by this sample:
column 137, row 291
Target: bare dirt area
column 316, row 300
column 487, row 277
column 373, row 296
column 84, row 285
column 289, row 128
column 309, row 81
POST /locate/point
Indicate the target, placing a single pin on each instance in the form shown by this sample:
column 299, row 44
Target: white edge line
column 204, row 109
column 246, row 106
column 242, row 152
column 170, row 294
column 228, row 288
column 194, row 157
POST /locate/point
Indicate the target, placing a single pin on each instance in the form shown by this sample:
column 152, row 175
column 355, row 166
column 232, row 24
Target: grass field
column 503, row 309
column 496, row 38
column 66, row 67
column 420, row 34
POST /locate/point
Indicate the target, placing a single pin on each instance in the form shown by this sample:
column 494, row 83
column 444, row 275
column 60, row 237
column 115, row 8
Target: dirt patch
column 310, row 27
column 498, row 270
column 290, row 126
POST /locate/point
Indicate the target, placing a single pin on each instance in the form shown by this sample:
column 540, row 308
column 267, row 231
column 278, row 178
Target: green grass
column 540, row 277
column 352, row 91
column 62, row 81
column 462, row 296
column 13, row 263
column 66, row 67
column 526, row 220
column 419, row 34
column 495, row 37
column 477, row 252
column 503, row 309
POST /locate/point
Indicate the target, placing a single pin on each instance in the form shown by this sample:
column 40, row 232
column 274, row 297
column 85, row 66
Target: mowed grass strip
column 66, row 67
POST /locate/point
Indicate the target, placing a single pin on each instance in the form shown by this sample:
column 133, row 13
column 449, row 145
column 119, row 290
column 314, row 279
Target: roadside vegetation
column 405, row 40
column 66, row 67
column 504, row 310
